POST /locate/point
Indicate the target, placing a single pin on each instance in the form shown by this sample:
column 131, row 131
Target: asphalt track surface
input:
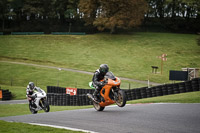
column 24, row 101
column 134, row 118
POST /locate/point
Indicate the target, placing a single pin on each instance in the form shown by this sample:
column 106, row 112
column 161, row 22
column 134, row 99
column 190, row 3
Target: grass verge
column 16, row 127
column 190, row 97
column 22, row 109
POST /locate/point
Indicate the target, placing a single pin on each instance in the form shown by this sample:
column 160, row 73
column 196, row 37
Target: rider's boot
column 95, row 95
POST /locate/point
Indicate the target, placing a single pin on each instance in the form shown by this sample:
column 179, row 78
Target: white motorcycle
column 39, row 101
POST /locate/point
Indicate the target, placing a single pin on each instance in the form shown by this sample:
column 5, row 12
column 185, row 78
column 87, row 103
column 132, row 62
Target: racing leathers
column 97, row 83
column 29, row 96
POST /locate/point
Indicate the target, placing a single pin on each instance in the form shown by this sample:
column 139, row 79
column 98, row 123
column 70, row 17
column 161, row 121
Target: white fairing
column 38, row 95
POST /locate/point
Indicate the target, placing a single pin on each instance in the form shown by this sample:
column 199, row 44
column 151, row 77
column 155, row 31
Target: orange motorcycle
column 109, row 94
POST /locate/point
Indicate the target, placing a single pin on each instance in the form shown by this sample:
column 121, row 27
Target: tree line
column 93, row 15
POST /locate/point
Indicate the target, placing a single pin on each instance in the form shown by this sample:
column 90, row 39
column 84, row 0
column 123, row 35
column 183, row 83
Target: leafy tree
column 89, row 9
column 113, row 14
column 33, row 8
column 4, row 10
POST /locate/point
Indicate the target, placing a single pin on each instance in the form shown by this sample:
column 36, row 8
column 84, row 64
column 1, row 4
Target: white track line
column 62, row 127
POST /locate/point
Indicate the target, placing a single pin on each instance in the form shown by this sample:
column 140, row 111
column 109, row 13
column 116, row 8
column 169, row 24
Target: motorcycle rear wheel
column 121, row 101
column 32, row 110
column 98, row 107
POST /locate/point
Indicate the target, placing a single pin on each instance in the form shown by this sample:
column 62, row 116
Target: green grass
column 22, row 109
column 18, row 92
column 20, row 75
column 16, row 127
column 127, row 55
column 190, row 97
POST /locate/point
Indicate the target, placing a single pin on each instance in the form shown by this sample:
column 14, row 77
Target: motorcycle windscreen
column 110, row 75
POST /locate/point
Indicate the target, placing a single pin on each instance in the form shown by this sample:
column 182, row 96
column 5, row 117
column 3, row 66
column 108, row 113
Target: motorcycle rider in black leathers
column 99, row 75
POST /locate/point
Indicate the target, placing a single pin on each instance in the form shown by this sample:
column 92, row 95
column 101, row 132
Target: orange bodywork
column 1, row 96
column 111, row 83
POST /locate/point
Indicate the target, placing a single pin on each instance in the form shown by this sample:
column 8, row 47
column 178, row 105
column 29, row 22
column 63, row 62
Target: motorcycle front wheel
column 45, row 107
column 121, row 99
column 98, row 107
column 32, row 109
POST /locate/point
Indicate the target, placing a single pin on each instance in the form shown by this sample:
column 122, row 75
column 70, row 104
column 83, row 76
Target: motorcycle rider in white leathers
column 29, row 91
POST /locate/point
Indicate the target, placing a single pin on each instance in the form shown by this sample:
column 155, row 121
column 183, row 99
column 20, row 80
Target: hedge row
column 6, row 95
column 58, row 96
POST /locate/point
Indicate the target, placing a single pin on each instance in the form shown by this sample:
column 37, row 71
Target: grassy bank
column 127, row 55
column 16, row 77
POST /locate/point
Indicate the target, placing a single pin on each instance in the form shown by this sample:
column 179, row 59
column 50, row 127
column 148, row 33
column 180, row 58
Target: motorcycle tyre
column 123, row 102
column 32, row 111
column 46, row 108
column 98, row 107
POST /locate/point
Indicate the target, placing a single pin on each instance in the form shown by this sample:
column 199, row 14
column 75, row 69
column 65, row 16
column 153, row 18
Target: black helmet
column 104, row 68
column 31, row 85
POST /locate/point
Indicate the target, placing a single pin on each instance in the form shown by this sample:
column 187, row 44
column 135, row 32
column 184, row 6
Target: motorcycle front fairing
column 114, row 82
column 38, row 95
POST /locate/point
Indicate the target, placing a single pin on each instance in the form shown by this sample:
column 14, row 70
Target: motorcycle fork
column 41, row 103
column 114, row 93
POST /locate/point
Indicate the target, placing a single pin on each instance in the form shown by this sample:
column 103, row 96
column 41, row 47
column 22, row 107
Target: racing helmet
column 104, row 68
column 31, row 85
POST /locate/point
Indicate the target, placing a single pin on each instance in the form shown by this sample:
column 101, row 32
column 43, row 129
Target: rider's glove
column 105, row 81
column 29, row 98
